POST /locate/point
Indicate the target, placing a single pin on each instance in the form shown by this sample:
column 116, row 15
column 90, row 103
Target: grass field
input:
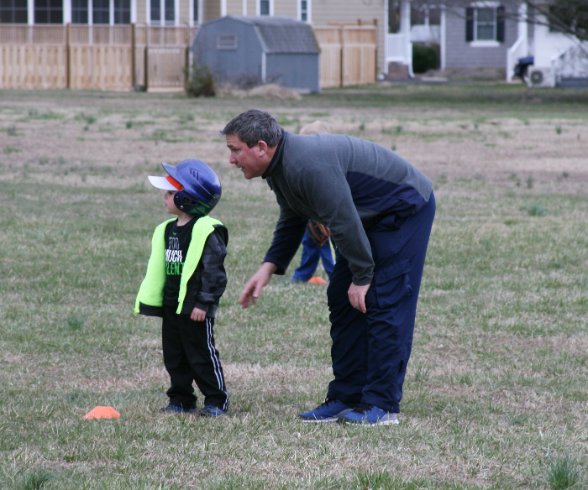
column 497, row 390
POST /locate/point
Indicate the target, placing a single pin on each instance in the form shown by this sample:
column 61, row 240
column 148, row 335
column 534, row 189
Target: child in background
column 184, row 281
column 316, row 242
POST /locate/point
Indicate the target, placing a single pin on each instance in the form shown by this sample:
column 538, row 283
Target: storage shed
column 259, row 50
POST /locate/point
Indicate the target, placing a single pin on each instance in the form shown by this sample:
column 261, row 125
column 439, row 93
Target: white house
column 493, row 34
column 559, row 58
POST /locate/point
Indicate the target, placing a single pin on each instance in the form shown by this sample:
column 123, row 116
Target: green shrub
column 200, row 82
column 562, row 474
column 424, row 58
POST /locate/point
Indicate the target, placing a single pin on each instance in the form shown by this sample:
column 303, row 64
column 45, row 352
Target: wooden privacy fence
column 126, row 57
column 348, row 54
column 93, row 57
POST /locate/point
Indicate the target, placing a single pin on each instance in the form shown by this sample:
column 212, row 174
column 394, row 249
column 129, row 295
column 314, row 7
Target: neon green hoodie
column 151, row 291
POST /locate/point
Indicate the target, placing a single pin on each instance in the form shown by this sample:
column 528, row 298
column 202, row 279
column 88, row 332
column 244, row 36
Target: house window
column 264, row 7
column 79, row 11
column 425, row 15
column 434, row 16
column 418, row 15
column 163, row 12
column 155, row 12
column 485, row 24
column 393, row 16
column 170, row 12
column 101, row 11
column 304, row 10
column 48, row 12
column 122, row 11
column 13, row 12
column 195, row 12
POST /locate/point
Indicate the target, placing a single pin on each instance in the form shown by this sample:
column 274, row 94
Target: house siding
column 184, row 13
column 210, row 10
column 251, row 8
column 234, row 7
column 142, row 12
column 286, row 9
column 281, row 9
column 461, row 54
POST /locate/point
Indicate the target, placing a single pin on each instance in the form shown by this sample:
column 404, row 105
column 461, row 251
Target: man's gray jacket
column 346, row 183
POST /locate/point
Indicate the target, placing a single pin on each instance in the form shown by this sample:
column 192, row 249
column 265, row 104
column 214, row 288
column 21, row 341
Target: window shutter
column 469, row 24
column 500, row 24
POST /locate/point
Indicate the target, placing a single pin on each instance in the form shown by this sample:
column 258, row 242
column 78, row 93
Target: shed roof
column 282, row 34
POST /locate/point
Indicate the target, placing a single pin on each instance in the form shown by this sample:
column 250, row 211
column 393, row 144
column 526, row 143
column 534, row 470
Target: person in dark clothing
column 316, row 246
column 184, row 281
column 380, row 211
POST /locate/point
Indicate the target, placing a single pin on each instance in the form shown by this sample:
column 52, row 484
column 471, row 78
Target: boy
column 184, row 281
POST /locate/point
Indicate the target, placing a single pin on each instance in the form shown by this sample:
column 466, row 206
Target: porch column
column 66, row 13
column 405, row 31
column 523, row 28
column 30, row 12
column 443, row 40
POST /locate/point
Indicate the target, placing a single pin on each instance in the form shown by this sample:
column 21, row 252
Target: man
column 380, row 211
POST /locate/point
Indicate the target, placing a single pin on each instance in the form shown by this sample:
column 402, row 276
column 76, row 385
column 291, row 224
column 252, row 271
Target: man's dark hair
column 254, row 125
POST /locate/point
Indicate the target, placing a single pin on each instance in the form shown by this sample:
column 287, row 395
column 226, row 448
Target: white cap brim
column 161, row 183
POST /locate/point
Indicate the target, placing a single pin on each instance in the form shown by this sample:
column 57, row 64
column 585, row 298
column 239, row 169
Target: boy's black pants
column 189, row 354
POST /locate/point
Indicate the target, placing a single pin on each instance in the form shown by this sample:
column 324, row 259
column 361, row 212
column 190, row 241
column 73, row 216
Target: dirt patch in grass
column 90, row 141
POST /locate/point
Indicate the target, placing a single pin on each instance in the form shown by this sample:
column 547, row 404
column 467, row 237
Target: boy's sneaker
column 369, row 416
column 175, row 408
column 211, row 411
column 328, row 411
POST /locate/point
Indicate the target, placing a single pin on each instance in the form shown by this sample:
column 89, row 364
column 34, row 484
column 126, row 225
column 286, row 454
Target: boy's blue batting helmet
column 201, row 187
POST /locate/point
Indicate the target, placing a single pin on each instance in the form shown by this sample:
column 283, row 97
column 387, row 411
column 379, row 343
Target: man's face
column 252, row 161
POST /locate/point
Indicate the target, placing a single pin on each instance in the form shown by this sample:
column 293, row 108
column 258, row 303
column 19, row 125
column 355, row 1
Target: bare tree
column 568, row 16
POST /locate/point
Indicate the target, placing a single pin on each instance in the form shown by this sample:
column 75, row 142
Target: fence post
column 187, row 68
column 146, row 68
column 186, row 57
column 68, row 56
column 341, row 57
column 133, row 57
column 376, row 51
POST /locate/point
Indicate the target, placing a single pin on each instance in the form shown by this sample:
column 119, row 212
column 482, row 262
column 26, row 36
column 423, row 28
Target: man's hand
column 255, row 285
column 356, row 296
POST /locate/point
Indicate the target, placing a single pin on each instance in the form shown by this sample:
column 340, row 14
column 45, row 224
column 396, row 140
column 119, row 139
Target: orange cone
column 317, row 280
column 102, row 413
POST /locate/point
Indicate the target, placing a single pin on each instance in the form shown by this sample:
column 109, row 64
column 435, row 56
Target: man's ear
column 262, row 146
